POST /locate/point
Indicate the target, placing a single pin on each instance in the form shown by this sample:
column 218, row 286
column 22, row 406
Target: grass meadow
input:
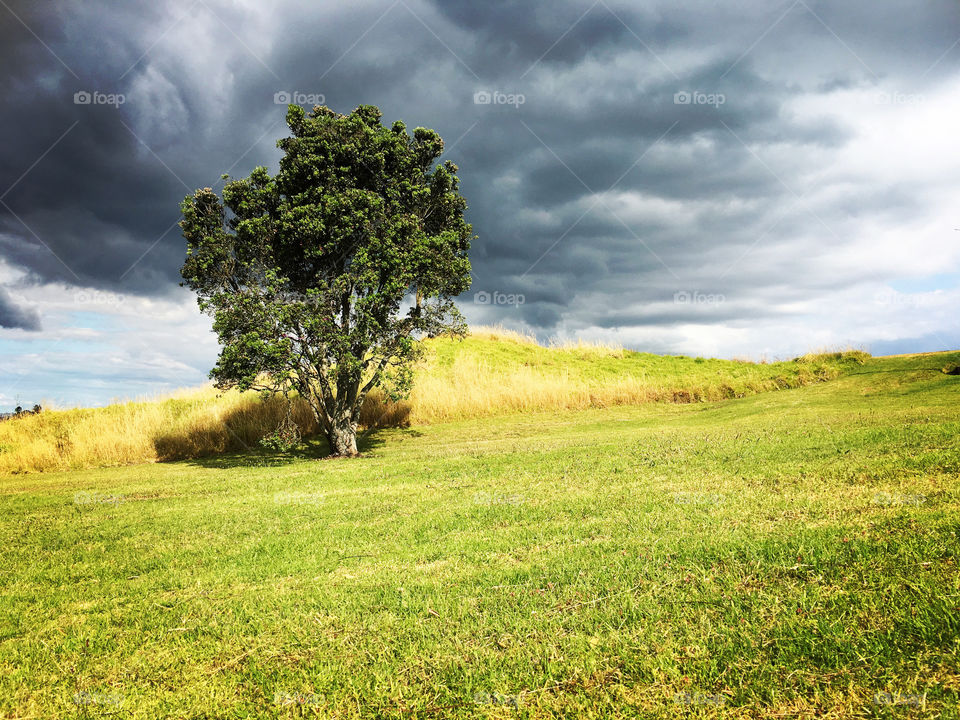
column 782, row 554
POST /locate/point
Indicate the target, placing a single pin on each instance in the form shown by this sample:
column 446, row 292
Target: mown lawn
column 789, row 554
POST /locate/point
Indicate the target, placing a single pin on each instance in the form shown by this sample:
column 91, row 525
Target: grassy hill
column 491, row 372
column 784, row 554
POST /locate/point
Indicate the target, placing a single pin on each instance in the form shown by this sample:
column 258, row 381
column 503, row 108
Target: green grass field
column 788, row 554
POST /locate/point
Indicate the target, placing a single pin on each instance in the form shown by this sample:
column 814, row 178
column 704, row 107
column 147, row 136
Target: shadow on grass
column 232, row 437
column 314, row 448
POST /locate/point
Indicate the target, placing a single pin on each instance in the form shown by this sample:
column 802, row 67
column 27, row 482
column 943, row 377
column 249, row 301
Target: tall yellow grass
column 502, row 334
column 188, row 424
column 498, row 333
column 475, row 385
column 496, row 371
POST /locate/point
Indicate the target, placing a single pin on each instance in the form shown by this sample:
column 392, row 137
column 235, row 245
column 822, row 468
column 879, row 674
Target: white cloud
column 97, row 346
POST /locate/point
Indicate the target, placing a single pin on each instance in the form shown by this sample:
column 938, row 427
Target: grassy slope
column 489, row 373
column 788, row 554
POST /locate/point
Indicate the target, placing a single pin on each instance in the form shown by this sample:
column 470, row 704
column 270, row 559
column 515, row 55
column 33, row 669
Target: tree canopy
column 322, row 278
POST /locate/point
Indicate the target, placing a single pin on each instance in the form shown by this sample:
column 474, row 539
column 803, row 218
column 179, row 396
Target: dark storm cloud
column 516, row 36
column 107, row 146
column 15, row 316
column 90, row 192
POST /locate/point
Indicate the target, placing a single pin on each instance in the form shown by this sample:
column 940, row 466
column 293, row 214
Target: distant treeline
column 17, row 411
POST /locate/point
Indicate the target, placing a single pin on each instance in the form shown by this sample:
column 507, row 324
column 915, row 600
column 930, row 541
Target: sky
column 750, row 179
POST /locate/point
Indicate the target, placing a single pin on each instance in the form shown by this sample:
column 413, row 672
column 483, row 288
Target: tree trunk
column 335, row 415
column 342, row 436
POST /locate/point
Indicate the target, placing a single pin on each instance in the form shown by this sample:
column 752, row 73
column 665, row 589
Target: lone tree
column 322, row 278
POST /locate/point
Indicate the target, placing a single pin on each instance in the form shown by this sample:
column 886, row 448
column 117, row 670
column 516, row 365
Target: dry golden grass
column 498, row 333
column 502, row 334
column 493, row 371
column 485, row 378
column 189, row 423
